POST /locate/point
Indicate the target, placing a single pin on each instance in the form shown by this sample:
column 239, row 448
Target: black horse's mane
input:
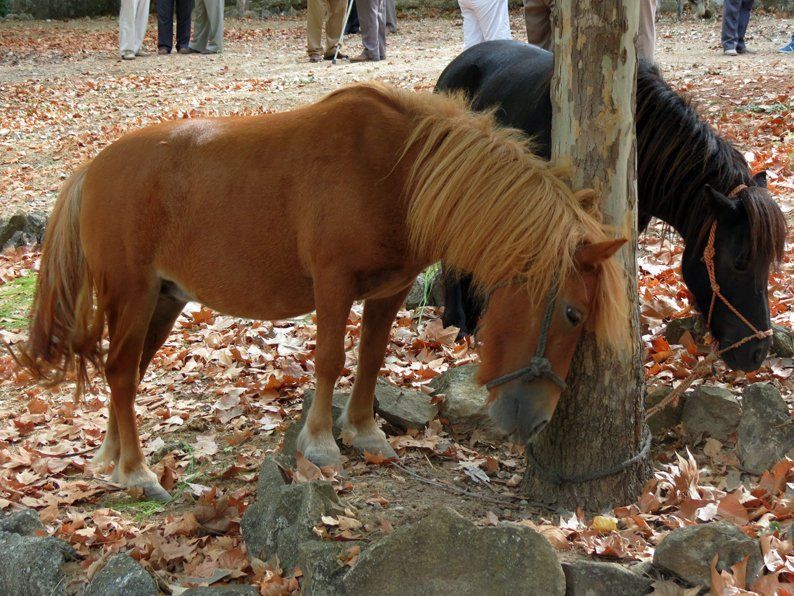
column 680, row 154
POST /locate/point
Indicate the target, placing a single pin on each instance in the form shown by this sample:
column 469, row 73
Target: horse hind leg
column 358, row 420
column 130, row 313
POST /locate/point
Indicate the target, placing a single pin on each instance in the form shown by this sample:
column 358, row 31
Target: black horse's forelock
column 683, row 154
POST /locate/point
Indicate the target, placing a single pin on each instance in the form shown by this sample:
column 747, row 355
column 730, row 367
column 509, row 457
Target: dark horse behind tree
column 687, row 176
column 259, row 224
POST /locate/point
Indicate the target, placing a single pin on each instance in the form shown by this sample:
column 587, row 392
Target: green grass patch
column 15, row 299
column 140, row 510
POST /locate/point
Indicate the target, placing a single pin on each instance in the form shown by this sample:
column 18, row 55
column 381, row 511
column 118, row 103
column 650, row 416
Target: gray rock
column 676, row 328
column 322, row 569
column 230, row 590
column 33, row 566
column 446, row 554
column 122, row 575
column 782, row 341
column 24, row 523
column 766, row 431
column 283, row 516
column 426, row 291
column 711, row 410
column 687, row 552
column 591, row 578
column 666, row 418
column 464, row 405
column 22, row 229
column 404, row 408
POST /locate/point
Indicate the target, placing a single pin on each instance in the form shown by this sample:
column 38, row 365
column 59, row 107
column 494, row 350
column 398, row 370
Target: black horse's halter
column 539, row 366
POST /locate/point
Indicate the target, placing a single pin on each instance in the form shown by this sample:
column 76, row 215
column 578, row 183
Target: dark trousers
column 735, row 16
column 165, row 23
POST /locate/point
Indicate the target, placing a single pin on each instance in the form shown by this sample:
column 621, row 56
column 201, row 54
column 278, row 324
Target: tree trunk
column 599, row 422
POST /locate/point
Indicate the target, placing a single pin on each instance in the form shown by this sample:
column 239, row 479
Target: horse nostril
column 758, row 356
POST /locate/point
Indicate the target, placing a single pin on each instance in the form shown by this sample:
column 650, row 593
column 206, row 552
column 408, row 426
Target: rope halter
column 708, row 258
column 539, row 366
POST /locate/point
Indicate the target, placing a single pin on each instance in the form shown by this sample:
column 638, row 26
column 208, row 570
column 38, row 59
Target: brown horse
column 251, row 216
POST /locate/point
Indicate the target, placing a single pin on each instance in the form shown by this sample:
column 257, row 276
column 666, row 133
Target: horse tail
column 65, row 333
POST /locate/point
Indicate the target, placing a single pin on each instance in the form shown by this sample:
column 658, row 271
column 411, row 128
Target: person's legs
column 537, row 19
column 472, row 34
column 141, row 20
column 315, row 15
column 730, row 24
column 183, row 9
column 391, row 15
column 215, row 17
column 201, row 27
column 744, row 18
column 646, row 37
column 165, row 24
column 127, row 27
column 494, row 19
column 381, row 29
column 368, row 19
column 333, row 25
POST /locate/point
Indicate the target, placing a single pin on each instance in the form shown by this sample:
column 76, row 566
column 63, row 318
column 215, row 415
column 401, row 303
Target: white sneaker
column 128, row 55
column 730, row 52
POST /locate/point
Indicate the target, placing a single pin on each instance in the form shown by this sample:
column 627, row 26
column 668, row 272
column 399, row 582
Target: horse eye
column 741, row 263
column 574, row 316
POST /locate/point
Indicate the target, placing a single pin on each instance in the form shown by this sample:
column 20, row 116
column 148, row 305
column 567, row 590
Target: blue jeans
column 735, row 16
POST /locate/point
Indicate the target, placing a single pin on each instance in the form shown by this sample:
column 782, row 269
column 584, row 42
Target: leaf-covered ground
column 221, row 392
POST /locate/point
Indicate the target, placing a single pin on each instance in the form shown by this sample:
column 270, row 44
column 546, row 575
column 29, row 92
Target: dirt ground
column 221, row 393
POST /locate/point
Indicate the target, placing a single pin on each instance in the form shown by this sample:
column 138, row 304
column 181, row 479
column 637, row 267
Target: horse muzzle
column 523, row 409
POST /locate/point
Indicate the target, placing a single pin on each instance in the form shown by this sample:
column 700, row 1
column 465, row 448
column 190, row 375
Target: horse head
column 528, row 347
column 748, row 233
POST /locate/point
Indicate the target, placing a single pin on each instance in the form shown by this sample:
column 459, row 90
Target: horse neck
column 678, row 155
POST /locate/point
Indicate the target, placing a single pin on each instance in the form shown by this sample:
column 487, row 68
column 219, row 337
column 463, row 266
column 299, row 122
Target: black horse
column 685, row 174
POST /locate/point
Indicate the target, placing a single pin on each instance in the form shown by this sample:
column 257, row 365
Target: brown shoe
column 339, row 56
column 363, row 57
column 315, row 58
column 183, row 51
column 163, row 51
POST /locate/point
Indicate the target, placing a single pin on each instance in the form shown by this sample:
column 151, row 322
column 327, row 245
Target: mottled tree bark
column 599, row 421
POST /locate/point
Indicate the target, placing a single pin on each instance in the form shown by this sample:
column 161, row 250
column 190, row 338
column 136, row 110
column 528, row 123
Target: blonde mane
column 482, row 202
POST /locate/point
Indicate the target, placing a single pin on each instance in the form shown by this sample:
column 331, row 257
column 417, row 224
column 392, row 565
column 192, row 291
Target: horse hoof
column 371, row 439
column 155, row 492
column 321, row 450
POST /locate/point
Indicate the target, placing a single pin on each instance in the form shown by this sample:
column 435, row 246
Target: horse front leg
column 316, row 439
column 358, row 420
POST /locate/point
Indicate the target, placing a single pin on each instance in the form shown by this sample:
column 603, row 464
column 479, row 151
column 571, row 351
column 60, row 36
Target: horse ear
column 586, row 198
column 760, row 179
column 590, row 255
column 720, row 204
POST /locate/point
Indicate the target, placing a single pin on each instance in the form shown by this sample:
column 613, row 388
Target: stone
column 230, row 590
column 404, row 408
column 24, row 523
column 322, row 568
column 782, row 341
column 591, row 578
column 676, row 328
column 33, row 566
column 687, row 552
column 444, row 553
column 666, row 418
column 464, row 406
column 22, row 229
column 427, row 290
column 122, row 575
column 713, row 411
column 766, row 431
column 284, row 516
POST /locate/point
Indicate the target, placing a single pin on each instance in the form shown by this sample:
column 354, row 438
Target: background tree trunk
column 599, row 421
